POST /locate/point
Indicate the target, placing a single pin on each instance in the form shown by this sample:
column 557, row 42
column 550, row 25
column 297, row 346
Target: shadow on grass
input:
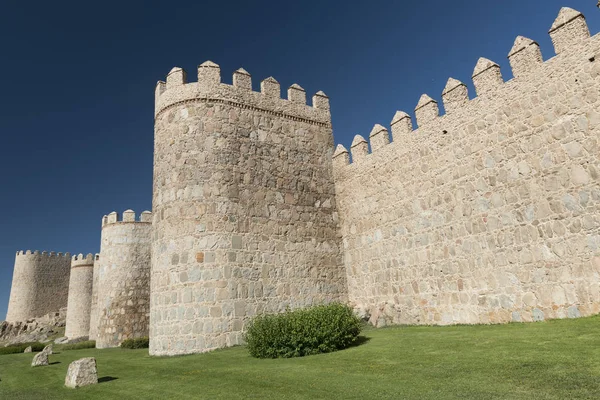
column 107, row 379
column 360, row 341
column 54, row 363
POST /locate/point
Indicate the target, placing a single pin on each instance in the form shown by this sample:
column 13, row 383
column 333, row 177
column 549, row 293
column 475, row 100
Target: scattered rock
column 61, row 340
column 48, row 349
column 82, row 373
column 28, row 350
column 40, row 359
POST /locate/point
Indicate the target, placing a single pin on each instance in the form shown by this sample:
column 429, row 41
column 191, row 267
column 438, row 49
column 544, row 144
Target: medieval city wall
column 80, row 296
column 123, row 283
column 40, row 284
column 489, row 213
column 245, row 218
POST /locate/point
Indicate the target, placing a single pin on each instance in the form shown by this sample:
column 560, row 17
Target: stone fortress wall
column 80, row 296
column 491, row 212
column 123, row 283
column 245, row 219
column 39, row 286
column 487, row 214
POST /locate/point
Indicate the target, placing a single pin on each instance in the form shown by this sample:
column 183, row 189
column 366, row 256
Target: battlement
column 51, row 254
column 126, row 217
column 235, row 171
column 81, row 260
column 570, row 36
column 209, row 88
column 478, row 215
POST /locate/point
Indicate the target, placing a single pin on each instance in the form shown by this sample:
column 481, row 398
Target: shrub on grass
column 139, row 343
column 314, row 330
column 19, row 348
column 87, row 344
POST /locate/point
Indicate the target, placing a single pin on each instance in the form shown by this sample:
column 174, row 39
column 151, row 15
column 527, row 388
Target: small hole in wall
column 576, row 80
column 592, row 58
column 444, row 131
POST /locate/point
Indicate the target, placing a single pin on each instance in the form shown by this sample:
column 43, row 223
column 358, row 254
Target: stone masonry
column 40, row 284
column 123, row 291
column 245, row 220
column 80, row 296
column 93, row 333
column 488, row 213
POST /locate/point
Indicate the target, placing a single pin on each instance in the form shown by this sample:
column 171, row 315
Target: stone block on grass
column 40, row 360
column 82, row 372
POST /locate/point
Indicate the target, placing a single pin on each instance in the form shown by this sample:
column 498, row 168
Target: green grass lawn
column 548, row 360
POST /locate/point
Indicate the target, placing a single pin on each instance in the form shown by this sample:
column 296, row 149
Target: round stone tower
column 40, row 284
column 244, row 212
column 123, row 278
column 80, row 296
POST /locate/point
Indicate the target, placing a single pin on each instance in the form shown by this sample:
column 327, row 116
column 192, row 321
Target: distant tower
column 123, row 291
column 245, row 218
column 80, row 296
column 40, row 284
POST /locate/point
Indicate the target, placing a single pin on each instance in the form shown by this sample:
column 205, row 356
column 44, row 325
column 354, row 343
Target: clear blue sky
column 76, row 113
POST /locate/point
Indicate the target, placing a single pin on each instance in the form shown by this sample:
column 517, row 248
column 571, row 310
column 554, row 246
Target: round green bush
column 314, row 330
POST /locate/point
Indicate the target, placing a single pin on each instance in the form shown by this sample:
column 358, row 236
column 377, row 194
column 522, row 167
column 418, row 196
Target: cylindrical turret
column 40, row 284
column 123, row 278
column 80, row 296
column 243, row 207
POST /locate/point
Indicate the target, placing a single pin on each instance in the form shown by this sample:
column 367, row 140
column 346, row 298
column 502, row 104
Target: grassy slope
column 549, row 360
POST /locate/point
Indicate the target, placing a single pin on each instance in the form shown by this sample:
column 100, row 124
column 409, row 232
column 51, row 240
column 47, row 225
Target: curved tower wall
column 80, row 296
column 243, row 207
column 93, row 333
column 123, row 278
column 40, row 284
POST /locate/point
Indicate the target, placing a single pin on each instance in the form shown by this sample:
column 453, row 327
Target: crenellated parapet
column 126, row 217
column 43, row 253
column 81, row 260
column 569, row 33
column 489, row 212
column 209, row 89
